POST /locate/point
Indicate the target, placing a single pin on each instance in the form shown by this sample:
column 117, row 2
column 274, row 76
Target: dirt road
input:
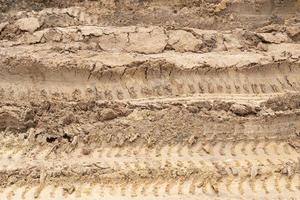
column 150, row 99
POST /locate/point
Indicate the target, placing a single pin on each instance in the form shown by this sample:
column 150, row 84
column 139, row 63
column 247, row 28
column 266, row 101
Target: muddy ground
column 150, row 99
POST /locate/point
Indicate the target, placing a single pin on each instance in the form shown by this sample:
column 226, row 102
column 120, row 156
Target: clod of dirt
column 29, row 24
column 147, row 40
column 294, row 143
column 241, row 110
column 254, row 171
column 192, row 140
column 44, row 106
column 29, row 115
column 262, row 46
column 294, row 32
column 91, row 31
column 68, row 119
column 10, row 121
column 183, row 41
column 3, row 25
column 107, row 114
column 69, row 189
column 31, row 38
column 201, row 105
column 75, row 141
column 273, row 37
column 86, row 151
column 53, row 35
column 287, row 102
column 193, row 109
column 221, row 105
column 222, row 5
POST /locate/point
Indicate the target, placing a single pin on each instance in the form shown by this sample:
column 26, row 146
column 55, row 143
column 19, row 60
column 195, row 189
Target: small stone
column 29, row 24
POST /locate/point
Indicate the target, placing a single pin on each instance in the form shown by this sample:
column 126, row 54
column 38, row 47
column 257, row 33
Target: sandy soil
column 150, row 99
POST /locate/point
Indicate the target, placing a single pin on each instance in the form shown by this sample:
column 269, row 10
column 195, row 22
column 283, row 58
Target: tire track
column 247, row 173
column 276, row 187
column 129, row 86
column 208, row 152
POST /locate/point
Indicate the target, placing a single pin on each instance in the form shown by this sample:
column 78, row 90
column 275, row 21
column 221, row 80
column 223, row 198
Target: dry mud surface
column 149, row 99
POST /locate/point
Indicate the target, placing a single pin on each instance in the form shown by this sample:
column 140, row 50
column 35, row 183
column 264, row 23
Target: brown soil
column 150, row 99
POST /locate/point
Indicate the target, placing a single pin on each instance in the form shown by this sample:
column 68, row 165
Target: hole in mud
column 51, row 139
column 66, row 136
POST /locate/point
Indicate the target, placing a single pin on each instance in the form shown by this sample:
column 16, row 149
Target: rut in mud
column 151, row 99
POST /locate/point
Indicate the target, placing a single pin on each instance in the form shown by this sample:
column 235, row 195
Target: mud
column 155, row 99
